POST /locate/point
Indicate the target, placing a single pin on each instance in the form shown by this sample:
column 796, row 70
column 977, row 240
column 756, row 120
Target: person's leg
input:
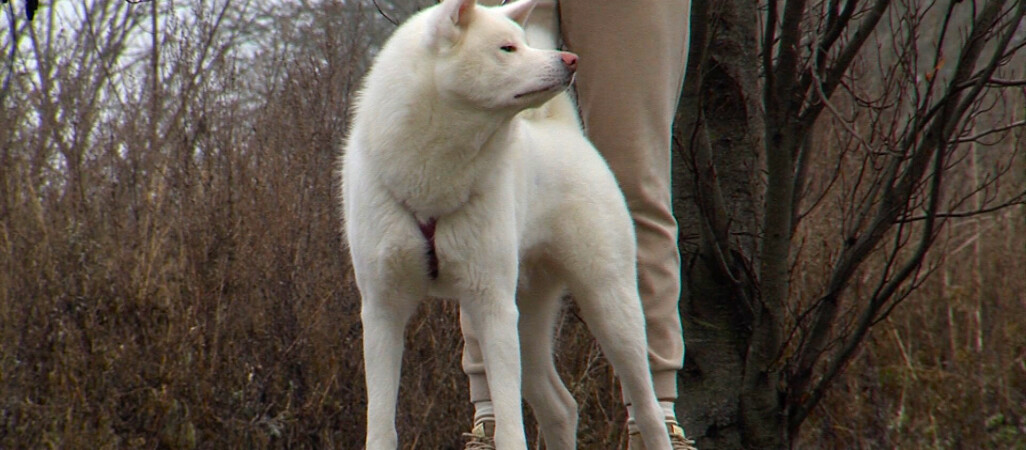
column 473, row 366
column 629, row 77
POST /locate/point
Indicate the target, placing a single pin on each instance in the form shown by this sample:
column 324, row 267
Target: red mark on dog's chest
column 428, row 230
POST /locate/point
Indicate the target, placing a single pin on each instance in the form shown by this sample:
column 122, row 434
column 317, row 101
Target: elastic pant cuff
column 479, row 387
column 665, row 383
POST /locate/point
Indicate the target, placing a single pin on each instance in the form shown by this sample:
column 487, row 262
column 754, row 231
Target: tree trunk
column 735, row 389
column 718, row 151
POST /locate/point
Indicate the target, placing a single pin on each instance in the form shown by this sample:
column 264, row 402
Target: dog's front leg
column 384, row 321
column 494, row 317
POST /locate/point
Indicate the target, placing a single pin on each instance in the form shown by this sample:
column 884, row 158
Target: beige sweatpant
column 629, row 77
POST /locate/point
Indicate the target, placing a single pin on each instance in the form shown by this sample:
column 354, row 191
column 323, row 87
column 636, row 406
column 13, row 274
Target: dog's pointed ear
column 519, row 10
column 450, row 18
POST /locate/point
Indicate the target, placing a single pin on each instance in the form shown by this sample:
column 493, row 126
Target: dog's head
column 482, row 58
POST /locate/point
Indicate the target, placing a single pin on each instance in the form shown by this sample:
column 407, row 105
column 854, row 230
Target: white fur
column 525, row 207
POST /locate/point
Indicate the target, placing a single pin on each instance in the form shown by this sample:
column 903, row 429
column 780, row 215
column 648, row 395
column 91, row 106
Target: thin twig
column 384, row 14
column 978, row 136
column 1018, row 200
column 13, row 22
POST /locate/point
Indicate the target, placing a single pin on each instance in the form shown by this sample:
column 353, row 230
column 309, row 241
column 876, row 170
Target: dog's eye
column 508, row 48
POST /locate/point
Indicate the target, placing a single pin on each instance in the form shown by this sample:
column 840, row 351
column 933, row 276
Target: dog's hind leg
column 384, row 321
column 610, row 306
column 539, row 299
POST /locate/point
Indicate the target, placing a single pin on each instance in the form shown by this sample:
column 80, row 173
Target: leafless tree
column 881, row 98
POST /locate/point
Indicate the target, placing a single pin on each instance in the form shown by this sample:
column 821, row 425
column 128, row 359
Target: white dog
column 451, row 189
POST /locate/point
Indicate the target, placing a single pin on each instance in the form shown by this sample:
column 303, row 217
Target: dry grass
column 946, row 370
column 171, row 273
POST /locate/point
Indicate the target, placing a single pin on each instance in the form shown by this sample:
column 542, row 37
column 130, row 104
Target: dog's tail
column 543, row 32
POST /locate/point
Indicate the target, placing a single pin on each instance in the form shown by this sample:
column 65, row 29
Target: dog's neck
column 434, row 155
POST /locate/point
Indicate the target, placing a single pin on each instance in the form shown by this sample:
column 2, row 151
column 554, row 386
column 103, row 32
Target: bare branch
column 768, row 42
column 1005, row 83
column 977, row 40
column 836, row 25
column 12, row 23
column 786, row 68
column 842, row 63
column 384, row 14
column 825, row 101
column 878, row 300
column 893, row 199
column 978, row 136
column 1019, row 199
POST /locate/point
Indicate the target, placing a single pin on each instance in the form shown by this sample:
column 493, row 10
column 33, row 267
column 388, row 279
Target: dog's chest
column 433, row 187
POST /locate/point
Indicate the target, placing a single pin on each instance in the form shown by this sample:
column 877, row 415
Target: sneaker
column 482, row 437
column 677, row 439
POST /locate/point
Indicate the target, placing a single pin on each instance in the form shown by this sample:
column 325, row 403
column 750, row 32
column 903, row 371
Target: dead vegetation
column 171, row 273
